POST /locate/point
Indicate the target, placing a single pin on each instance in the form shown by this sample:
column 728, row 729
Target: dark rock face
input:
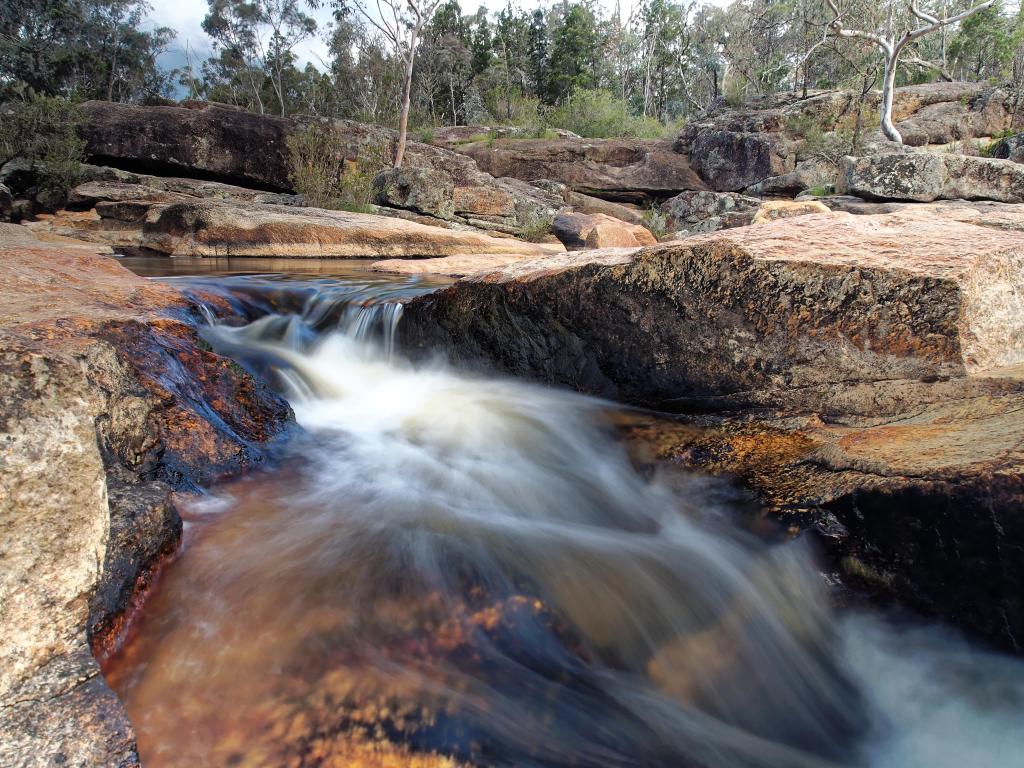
column 626, row 170
column 219, row 143
column 213, row 141
column 729, row 161
column 1010, row 148
column 108, row 403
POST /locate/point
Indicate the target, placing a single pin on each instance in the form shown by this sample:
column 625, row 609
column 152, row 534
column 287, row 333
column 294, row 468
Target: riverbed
column 446, row 568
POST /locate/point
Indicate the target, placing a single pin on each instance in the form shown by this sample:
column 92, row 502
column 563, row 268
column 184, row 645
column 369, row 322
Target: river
column 448, row 569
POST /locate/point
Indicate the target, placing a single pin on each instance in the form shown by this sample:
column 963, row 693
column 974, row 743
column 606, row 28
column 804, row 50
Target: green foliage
column 425, row 134
column 984, row 46
column 82, row 49
column 575, row 53
column 821, row 190
column 599, row 114
column 536, row 228
column 657, row 222
column 43, row 131
column 322, row 171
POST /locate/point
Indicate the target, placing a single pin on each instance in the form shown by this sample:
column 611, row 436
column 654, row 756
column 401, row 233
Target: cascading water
column 453, row 569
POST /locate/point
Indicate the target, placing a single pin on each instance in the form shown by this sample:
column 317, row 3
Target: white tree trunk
column 403, row 120
column 888, row 86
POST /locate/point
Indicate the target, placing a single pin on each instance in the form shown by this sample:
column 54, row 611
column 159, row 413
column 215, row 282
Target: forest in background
column 581, row 66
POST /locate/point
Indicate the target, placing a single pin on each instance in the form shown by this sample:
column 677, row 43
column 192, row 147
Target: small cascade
column 472, row 571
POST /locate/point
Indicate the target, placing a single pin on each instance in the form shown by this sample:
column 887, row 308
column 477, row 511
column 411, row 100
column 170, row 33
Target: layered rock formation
column 182, row 217
column 630, row 170
column 221, row 143
column 108, row 404
column 908, row 325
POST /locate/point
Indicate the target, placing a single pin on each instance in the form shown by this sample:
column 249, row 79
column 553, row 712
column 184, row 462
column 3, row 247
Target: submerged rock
column 108, row 402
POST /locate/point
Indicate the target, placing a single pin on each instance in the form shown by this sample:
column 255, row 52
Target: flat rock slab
column 926, row 176
column 824, row 299
column 496, row 264
column 179, row 225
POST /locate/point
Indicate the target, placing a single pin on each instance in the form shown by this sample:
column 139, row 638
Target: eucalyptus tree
column 893, row 45
column 93, row 49
column 255, row 39
column 401, row 23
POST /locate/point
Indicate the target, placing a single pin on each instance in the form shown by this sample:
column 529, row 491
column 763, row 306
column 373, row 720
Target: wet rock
column 709, row 211
column 865, row 368
column 926, row 176
column 107, row 402
column 579, row 230
column 624, row 170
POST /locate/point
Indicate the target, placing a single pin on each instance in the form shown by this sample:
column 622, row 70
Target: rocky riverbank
column 860, row 370
column 110, row 404
column 863, row 370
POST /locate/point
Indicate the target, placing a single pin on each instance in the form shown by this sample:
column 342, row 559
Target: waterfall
column 473, row 567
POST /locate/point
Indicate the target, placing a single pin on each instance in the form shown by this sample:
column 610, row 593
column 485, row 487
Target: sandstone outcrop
column 625, row 170
column 220, row 143
column 774, row 145
column 814, row 300
column 107, row 404
column 577, row 231
column 215, row 141
column 131, row 216
column 927, row 176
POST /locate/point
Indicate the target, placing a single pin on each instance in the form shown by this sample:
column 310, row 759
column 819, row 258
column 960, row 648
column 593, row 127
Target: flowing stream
column 449, row 570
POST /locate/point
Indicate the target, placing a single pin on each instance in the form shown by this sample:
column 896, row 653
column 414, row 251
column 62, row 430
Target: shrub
column 599, row 114
column 43, row 131
column 513, row 108
column 425, row 135
column 537, row 227
column 322, row 171
column 656, row 222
